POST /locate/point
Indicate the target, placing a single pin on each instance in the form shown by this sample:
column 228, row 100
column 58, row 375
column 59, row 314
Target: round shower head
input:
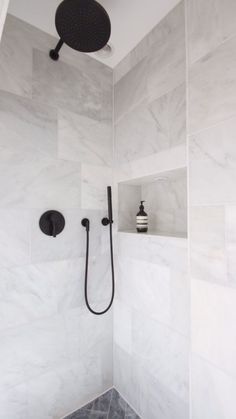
column 84, row 25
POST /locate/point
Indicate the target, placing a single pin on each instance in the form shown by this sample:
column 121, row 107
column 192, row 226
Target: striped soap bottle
column 142, row 220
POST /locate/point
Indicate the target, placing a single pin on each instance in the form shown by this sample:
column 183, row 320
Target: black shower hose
column 99, row 313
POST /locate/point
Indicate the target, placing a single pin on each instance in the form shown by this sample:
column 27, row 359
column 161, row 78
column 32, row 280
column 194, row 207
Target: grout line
column 188, row 202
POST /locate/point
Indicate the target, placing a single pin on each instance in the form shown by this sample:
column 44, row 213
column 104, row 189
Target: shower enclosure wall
column 168, row 347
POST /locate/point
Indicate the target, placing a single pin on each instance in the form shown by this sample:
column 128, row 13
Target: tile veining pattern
column 55, row 153
column 151, row 315
column 108, row 406
column 212, row 169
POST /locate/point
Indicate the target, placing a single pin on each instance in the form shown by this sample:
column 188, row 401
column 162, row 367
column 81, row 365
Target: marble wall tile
column 88, row 334
column 14, row 237
column 230, row 233
column 157, row 163
column 66, row 87
column 211, row 23
column 208, row 245
column 144, row 286
column 16, row 58
column 95, row 180
column 130, row 90
column 14, row 403
column 57, row 393
column 212, row 87
column 42, row 290
column 164, row 251
column 213, row 320
column 152, row 126
column 166, row 62
column 40, row 183
column 27, row 126
column 84, row 139
column 123, row 326
column 163, row 403
column 213, row 392
column 213, row 165
column 163, row 352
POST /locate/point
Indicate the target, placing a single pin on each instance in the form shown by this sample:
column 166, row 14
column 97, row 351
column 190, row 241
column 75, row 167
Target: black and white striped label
column 141, row 222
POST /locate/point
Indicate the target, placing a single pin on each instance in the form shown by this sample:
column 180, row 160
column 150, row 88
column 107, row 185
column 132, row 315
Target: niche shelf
column 165, row 197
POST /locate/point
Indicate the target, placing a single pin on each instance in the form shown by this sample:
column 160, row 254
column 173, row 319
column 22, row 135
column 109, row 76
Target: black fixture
column 52, row 223
column 83, row 25
column 105, row 221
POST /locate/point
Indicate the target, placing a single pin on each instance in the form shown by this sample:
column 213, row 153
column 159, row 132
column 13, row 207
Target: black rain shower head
column 83, row 25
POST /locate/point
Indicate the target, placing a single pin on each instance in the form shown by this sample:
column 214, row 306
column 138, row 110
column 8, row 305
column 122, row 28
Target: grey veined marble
column 108, row 406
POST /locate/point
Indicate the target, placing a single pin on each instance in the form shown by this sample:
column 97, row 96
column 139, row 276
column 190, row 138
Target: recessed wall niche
column 165, row 197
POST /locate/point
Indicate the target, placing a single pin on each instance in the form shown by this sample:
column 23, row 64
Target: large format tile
column 213, row 392
column 16, row 58
column 95, row 180
column 213, row 324
column 213, row 165
column 210, row 24
column 68, row 87
column 84, row 139
column 28, row 127
column 163, row 352
column 14, row 403
column 14, row 237
column 166, row 62
column 41, row 183
column 208, row 247
column 37, row 291
column 212, row 87
column 152, row 126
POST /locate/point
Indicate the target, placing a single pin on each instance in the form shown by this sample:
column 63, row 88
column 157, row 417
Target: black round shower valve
column 52, row 223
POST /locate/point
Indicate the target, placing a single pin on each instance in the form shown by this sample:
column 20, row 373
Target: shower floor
column 108, row 406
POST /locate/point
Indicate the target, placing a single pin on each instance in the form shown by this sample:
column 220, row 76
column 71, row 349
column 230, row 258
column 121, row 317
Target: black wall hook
column 52, row 223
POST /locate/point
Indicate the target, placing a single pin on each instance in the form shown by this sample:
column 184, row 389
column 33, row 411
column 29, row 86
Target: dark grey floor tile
column 130, row 414
column 117, row 406
column 102, row 403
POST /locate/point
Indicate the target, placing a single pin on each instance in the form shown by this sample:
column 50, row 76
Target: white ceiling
column 131, row 20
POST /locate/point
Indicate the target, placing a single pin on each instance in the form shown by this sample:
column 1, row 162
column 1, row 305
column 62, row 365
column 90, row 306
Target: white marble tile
column 95, row 180
column 166, row 61
column 231, row 243
column 37, row 291
column 213, row 392
column 16, row 58
column 212, row 87
column 152, row 126
column 122, row 326
column 130, row 90
column 31, row 350
column 163, row 352
column 13, row 403
column 164, row 251
column 70, row 88
column 40, row 183
column 84, row 139
column 213, row 320
column 14, row 237
column 157, row 163
column 213, row 156
column 88, row 335
column 207, row 244
column 144, row 286
column 27, row 127
column 210, row 23
column 58, row 393
column 180, row 301
column 161, row 403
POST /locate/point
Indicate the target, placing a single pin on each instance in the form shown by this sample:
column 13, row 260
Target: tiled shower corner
column 108, row 406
